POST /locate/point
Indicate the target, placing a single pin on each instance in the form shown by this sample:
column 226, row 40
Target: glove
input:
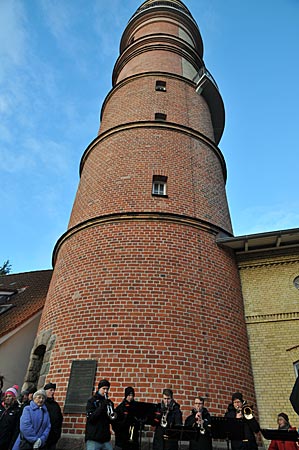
column 37, row 443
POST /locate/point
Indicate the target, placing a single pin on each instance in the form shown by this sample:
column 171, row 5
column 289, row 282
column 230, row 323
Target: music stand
column 143, row 413
column 280, row 435
column 180, row 433
column 227, row 428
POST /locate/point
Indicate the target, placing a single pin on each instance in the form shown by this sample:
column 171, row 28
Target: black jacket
column 249, row 427
column 97, row 420
column 56, row 420
column 126, row 426
column 9, row 425
column 174, row 417
column 202, row 439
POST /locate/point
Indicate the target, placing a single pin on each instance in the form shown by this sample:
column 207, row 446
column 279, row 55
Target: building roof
column 22, row 295
column 280, row 241
column 177, row 4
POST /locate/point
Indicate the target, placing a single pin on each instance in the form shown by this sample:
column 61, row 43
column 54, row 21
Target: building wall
column 153, row 316
column 271, row 304
column 15, row 351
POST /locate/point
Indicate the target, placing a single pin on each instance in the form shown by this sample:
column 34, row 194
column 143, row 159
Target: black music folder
column 227, row 428
column 280, row 435
column 180, row 433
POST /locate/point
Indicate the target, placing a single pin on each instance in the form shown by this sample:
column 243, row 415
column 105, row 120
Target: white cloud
column 261, row 219
column 13, row 35
column 48, row 155
column 14, row 162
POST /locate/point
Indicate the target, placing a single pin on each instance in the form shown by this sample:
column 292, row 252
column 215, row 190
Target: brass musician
column 239, row 409
column 99, row 415
column 167, row 415
column 127, row 427
column 200, row 420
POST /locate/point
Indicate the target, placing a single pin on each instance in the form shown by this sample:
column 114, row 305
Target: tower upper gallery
column 163, row 117
column 163, row 38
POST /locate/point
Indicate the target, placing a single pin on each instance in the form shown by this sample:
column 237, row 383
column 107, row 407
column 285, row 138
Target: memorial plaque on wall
column 80, row 385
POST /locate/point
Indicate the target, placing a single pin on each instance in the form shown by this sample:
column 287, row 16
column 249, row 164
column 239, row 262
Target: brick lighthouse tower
column 140, row 286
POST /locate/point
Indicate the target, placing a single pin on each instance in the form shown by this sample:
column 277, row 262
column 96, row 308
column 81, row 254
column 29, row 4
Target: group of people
column 34, row 420
column 127, row 424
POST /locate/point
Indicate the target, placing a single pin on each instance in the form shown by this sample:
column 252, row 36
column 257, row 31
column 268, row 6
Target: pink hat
column 11, row 391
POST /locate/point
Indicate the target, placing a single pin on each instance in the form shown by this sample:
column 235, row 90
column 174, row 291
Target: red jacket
column 284, row 445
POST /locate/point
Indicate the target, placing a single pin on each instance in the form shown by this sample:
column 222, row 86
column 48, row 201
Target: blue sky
column 56, row 61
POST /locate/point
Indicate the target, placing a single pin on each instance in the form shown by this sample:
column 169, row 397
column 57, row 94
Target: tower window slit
column 161, row 85
column 160, row 116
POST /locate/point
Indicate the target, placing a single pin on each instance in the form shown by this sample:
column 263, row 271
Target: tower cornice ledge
column 159, row 41
column 132, row 78
column 136, row 216
column 163, row 10
column 171, row 126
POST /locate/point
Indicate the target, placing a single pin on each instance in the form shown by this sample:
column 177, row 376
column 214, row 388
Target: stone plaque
column 80, row 385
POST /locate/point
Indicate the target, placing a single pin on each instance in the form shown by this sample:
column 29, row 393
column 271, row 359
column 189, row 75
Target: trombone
column 247, row 411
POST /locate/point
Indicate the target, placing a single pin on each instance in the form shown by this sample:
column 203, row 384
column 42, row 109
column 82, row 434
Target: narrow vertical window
column 159, row 185
column 160, row 116
column 161, row 85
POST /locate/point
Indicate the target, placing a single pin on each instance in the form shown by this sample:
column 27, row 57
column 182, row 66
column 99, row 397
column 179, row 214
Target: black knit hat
column 129, row 390
column 103, row 383
column 50, row 386
column 284, row 416
column 237, row 396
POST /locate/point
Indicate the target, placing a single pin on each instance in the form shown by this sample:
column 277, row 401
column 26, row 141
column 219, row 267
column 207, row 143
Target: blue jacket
column 34, row 424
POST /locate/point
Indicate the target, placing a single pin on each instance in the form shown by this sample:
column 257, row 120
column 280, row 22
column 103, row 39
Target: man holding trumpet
column 200, row 420
column 99, row 414
column 238, row 409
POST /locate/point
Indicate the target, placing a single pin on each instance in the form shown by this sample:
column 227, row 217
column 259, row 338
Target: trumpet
column 110, row 411
column 247, row 411
column 163, row 422
column 131, row 433
column 199, row 421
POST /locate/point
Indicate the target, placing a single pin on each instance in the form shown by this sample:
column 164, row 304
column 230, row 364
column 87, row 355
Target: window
column 4, row 308
column 161, row 85
column 160, row 116
column 159, row 185
column 296, row 282
column 5, row 296
column 296, row 368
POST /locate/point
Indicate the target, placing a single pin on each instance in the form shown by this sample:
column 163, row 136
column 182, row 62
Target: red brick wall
column 158, row 304
column 137, row 98
column 117, row 177
column 153, row 60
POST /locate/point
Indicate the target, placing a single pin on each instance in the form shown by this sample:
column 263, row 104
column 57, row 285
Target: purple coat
column 34, row 424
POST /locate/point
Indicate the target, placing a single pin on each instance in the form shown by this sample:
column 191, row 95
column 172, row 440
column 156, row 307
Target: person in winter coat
column 200, row 420
column 10, row 413
column 55, row 414
column 126, row 426
column 97, row 430
column 249, row 426
column 168, row 414
column 35, row 422
column 283, row 424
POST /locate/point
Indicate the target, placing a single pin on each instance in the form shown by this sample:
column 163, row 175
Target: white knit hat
column 40, row 392
column 12, row 391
